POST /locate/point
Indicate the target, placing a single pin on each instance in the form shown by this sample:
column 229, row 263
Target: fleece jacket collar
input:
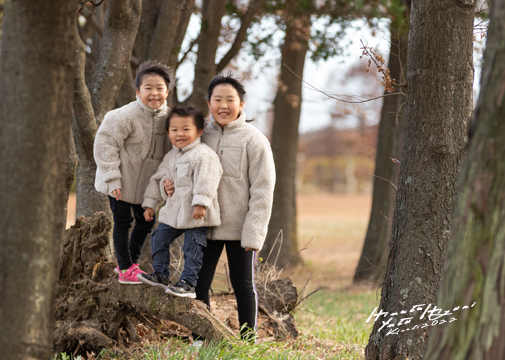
column 147, row 110
column 233, row 125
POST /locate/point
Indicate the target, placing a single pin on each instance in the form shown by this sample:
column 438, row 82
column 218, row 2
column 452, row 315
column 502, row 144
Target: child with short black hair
column 128, row 148
column 192, row 208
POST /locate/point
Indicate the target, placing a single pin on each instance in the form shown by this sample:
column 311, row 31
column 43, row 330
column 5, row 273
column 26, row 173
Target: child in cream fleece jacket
column 129, row 147
column 193, row 207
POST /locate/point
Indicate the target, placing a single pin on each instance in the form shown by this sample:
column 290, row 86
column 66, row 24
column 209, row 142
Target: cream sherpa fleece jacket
column 196, row 171
column 129, row 147
column 246, row 190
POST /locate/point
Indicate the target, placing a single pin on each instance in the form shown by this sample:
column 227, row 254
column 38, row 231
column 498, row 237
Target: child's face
column 182, row 131
column 225, row 104
column 153, row 91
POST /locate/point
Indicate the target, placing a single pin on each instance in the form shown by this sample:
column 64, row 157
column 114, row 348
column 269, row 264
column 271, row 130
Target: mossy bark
column 475, row 271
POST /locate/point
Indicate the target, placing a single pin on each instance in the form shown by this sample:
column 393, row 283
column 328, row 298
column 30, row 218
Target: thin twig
column 299, row 251
column 341, row 97
column 386, row 180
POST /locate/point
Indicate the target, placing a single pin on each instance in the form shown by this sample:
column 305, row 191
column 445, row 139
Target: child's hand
column 117, row 194
column 199, row 212
column 149, row 214
column 169, row 187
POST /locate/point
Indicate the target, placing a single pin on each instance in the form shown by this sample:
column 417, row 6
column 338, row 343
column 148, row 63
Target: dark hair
column 228, row 79
column 187, row 111
column 153, row 67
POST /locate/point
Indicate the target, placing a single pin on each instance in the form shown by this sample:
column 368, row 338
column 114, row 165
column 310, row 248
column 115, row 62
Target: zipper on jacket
column 219, row 151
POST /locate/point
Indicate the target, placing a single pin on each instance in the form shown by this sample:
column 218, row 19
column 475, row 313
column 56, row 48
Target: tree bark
column 181, row 33
column 438, row 108
column 205, row 68
column 287, row 107
column 475, row 270
column 372, row 262
column 161, row 44
column 34, row 127
column 90, row 105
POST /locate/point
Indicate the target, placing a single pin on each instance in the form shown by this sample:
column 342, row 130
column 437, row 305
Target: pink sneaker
column 130, row 275
column 117, row 270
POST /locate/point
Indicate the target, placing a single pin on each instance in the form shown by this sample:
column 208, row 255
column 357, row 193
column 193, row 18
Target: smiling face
column 153, row 91
column 225, row 104
column 182, row 131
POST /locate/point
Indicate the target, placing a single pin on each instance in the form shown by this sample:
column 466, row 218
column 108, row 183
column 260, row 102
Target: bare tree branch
column 92, row 20
column 253, row 8
column 190, row 48
column 343, row 98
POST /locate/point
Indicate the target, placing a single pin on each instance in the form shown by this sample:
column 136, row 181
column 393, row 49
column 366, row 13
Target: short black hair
column 153, row 67
column 187, row 111
column 228, row 79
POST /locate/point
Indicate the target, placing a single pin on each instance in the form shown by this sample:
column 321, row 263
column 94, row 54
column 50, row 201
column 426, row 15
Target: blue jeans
column 194, row 240
column 128, row 249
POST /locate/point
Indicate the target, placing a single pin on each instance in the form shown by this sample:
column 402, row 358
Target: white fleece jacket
column 129, row 147
column 246, row 189
column 196, row 171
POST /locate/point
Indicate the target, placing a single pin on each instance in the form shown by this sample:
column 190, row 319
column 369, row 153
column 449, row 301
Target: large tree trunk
column 205, row 68
column 372, row 262
column 90, row 105
column 439, row 104
column 36, row 76
column 287, row 105
column 475, row 270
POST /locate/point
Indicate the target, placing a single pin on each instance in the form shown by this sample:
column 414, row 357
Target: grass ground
column 332, row 322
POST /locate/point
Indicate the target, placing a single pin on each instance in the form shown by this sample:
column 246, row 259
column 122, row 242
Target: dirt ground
column 335, row 223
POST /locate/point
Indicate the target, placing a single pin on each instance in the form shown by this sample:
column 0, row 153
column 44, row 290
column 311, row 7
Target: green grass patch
column 338, row 317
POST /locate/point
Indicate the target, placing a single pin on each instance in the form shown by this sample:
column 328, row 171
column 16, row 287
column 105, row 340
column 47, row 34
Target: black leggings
column 241, row 264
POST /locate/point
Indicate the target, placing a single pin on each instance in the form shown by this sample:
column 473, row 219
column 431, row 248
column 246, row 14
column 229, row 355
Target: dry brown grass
column 337, row 224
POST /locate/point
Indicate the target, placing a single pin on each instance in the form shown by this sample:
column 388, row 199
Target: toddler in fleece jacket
column 192, row 208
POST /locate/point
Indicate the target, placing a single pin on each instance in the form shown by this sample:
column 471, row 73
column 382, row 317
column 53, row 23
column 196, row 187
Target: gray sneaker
column 182, row 289
column 154, row 279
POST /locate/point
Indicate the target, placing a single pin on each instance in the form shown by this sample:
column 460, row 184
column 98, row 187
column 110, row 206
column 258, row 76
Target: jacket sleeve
column 206, row 177
column 153, row 196
column 109, row 140
column 261, row 174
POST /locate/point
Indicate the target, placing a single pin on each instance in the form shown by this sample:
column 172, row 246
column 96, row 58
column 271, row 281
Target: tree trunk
column 161, row 44
column 287, row 105
column 90, row 106
column 34, row 126
column 372, row 262
column 438, row 108
column 205, row 68
column 475, row 270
